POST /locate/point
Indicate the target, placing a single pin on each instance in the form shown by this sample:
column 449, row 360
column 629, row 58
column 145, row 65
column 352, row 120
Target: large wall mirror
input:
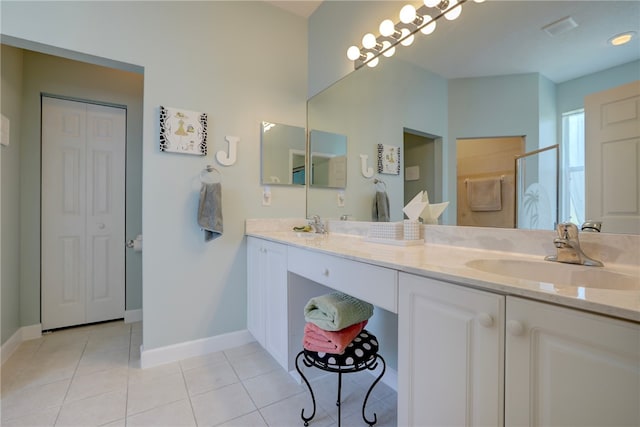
column 283, row 154
column 328, row 159
column 402, row 102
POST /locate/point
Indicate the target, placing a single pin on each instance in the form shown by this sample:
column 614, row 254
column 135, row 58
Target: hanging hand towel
column 210, row 210
column 336, row 311
column 484, row 195
column 380, row 212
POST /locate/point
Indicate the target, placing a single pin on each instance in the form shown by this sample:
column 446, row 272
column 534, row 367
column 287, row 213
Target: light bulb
column 429, row 25
column 353, row 53
column 407, row 14
column 372, row 62
column 431, row 3
column 407, row 41
column 387, row 28
column 453, row 12
column 388, row 51
column 479, row 1
column 369, row 41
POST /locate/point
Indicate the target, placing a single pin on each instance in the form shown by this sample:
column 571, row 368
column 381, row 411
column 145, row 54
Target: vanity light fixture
column 412, row 20
column 623, row 38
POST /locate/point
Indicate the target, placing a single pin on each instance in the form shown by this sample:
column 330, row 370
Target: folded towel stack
column 333, row 321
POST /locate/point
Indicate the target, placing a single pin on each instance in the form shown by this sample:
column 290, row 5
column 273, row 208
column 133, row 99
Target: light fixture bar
column 403, row 31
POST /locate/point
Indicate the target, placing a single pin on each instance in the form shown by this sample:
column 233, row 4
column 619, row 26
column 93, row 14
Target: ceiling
column 303, row 8
column 506, row 37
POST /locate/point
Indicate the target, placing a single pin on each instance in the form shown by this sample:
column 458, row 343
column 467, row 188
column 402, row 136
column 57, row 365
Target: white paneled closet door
column 83, row 212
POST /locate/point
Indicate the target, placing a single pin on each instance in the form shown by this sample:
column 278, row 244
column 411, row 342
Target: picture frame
column 388, row 159
column 183, row 131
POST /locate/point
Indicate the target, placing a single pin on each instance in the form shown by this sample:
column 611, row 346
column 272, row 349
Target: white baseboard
column 175, row 352
column 23, row 334
column 132, row 316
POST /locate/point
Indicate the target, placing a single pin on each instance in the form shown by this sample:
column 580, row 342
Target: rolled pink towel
column 317, row 339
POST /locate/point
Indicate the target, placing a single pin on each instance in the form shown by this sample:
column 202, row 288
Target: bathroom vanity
column 477, row 344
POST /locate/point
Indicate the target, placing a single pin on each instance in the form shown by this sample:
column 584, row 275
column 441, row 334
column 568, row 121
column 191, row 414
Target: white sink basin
column 558, row 273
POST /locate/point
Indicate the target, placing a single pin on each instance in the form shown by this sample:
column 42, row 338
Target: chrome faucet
column 568, row 245
column 591, row 226
column 318, row 226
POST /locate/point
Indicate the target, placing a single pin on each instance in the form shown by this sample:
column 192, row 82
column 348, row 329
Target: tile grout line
column 84, row 348
column 245, row 389
column 186, row 387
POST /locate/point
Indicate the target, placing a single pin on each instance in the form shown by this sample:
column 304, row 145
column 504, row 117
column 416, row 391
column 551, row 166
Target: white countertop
column 445, row 262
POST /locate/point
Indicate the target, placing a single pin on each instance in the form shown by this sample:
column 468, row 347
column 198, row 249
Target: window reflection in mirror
column 328, row 159
column 283, row 154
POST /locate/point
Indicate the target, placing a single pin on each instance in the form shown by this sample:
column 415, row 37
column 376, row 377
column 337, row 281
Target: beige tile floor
column 90, row 376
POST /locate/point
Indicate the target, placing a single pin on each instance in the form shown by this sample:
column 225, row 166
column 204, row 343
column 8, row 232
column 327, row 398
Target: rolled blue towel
column 336, row 311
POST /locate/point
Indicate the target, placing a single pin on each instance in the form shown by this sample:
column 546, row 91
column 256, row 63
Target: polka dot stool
column 361, row 354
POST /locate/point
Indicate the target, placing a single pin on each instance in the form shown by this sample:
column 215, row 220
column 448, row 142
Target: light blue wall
column 241, row 62
column 570, row 94
column 11, row 105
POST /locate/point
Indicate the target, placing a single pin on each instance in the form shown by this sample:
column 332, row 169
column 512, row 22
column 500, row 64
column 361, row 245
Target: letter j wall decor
column 183, row 131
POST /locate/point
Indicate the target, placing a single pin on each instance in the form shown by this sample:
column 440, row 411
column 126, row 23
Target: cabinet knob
column 325, row 272
column 101, row 226
column 515, row 328
column 485, row 319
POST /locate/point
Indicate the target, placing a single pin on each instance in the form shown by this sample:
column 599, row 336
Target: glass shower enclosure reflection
column 537, row 189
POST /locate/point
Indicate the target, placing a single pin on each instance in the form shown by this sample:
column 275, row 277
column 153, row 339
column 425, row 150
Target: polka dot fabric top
column 362, row 349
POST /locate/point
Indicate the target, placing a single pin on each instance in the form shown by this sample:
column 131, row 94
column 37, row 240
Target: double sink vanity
column 479, row 328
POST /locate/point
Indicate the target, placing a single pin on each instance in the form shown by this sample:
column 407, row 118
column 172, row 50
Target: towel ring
column 208, row 175
column 379, row 181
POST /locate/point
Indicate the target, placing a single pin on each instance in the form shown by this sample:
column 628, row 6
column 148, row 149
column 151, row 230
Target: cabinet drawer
column 370, row 283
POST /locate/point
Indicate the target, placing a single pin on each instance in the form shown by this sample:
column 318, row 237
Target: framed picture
column 388, row 159
column 183, row 131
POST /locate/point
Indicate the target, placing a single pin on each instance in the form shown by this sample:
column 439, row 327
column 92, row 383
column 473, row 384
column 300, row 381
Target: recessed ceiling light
column 622, row 38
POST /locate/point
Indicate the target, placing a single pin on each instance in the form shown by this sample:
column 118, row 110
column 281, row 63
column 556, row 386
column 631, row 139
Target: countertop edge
column 500, row 284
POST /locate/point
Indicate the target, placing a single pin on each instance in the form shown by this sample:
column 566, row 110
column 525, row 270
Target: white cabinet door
column 569, row 368
column 267, row 316
column 276, row 320
column 255, row 290
column 450, row 354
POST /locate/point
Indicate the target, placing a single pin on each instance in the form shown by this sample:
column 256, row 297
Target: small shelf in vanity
column 370, row 283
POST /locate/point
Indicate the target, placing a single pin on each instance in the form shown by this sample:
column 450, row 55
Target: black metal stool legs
column 360, row 354
column 313, row 399
column 338, row 402
column 371, row 367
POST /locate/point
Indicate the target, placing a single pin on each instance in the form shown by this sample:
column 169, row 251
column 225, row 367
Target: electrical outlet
column 266, row 196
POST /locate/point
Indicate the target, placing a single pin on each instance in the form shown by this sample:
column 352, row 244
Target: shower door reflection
column 537, row 184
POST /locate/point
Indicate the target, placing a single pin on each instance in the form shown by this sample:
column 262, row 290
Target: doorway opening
column 422, row 171
column 486, row 180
